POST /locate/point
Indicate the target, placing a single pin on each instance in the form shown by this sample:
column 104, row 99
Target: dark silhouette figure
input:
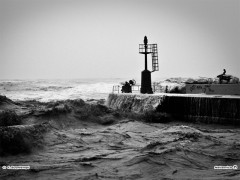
column 224, row 71
column 223, row 76
column 127, row 87
column 132, row 82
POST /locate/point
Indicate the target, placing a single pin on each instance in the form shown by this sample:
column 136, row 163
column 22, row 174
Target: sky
column 65, row 39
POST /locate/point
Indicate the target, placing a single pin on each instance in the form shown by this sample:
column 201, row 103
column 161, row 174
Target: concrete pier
column 222, row 109
column 213, row 89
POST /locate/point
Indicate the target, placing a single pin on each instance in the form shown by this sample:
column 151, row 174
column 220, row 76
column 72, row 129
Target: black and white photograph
column 119, row 89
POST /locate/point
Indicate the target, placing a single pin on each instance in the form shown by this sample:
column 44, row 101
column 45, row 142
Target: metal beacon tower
column 146, row 84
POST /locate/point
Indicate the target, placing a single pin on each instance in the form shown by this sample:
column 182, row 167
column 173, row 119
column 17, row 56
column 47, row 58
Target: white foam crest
column 99, row 90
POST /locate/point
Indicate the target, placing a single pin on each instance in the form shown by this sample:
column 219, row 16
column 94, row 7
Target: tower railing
column 151, row 48
column 136, row 88
column 154, row 58
column 142, row 48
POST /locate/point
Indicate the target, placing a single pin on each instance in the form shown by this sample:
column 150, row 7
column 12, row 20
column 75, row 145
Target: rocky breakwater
column 194, row 108
column 206, row 85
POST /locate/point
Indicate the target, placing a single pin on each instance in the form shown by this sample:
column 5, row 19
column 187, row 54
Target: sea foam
column 52, row 90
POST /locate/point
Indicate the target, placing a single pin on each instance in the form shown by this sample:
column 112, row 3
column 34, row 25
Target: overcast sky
column 99, row 38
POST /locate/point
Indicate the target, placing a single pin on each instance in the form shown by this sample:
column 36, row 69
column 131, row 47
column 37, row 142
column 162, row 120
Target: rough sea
column 51, row 90
column 76, row 139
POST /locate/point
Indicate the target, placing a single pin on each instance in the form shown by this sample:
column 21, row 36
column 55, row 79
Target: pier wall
column 223, row 89
column 203, row 108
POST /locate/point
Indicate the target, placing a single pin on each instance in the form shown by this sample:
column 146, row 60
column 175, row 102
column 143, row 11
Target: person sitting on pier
column 223, row 76
column 127, row 87
column 224, row 72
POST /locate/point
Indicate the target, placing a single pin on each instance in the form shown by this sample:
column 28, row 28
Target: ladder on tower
column 154, row 58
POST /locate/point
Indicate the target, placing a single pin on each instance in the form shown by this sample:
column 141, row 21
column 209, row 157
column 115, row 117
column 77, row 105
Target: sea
column 45, row 90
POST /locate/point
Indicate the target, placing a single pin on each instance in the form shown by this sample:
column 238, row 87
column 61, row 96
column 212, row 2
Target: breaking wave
column 52, row 90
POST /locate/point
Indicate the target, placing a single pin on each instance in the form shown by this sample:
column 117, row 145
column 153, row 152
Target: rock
column 190, row 81
column 234, row 80
column 228, row 79
column 179, row 88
